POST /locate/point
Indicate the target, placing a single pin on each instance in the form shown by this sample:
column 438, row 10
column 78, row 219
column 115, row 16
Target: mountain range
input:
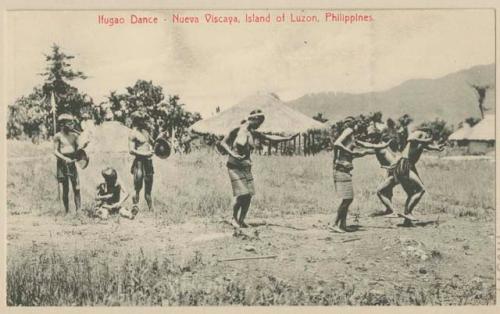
column 450, row 97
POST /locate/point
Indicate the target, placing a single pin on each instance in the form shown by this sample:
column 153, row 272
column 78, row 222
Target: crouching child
column 110, row 197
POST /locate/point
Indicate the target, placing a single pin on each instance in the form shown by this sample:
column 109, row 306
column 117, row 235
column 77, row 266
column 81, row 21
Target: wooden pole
column 313, row 147
column 304, row 144
column 300, row 140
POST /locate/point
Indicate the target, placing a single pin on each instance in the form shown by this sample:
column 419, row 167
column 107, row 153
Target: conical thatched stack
column 109, row 137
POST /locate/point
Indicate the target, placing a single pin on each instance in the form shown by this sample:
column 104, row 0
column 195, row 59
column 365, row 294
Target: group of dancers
column 397, row 154
column 399, row 160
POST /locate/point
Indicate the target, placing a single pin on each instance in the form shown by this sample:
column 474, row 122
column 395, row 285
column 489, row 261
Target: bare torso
column 387, row 157
column 67, row 142
column 342, row 157
column 142, row 140
column 242, row 143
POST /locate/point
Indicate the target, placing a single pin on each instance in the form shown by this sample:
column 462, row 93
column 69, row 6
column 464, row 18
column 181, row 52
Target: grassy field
column 159, row 259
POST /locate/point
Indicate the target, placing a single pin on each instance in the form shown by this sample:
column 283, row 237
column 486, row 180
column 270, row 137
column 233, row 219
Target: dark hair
column 390, row 123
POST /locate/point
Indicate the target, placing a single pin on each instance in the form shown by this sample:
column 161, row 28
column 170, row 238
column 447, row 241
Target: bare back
column 415, row 147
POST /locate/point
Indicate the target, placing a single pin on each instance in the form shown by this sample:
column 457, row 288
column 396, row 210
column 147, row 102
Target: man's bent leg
column 417, row 195
column 384, row 193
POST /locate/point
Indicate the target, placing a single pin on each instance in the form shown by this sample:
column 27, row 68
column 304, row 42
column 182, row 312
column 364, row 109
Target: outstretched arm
column 373, row 146
column 434, row 147
column 362, row 153
column 275, row 138
column 420, row 137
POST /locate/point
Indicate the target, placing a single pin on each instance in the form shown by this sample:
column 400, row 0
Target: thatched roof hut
column 461, row 134
column 280, row 119
column 478, row 139
column 484, row 130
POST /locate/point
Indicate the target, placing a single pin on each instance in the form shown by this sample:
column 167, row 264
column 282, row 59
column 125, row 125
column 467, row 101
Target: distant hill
column 449, row 97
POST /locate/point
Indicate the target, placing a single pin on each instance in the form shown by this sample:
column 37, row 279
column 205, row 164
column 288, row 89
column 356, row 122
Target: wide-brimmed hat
column 109, row 173
column 65, row 117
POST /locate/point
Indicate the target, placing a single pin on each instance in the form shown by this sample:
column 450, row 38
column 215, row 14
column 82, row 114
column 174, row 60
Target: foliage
column 28, row 116
column 439, row 129
column 31, row 116
column 471, row 121
column 165, row 114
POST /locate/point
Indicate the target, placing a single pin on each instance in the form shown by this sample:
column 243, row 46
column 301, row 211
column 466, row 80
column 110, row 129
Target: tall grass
column 198, row 185
column 84, row 280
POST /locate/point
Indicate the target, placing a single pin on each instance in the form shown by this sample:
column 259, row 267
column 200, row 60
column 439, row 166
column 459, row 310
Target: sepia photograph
column 280, row 157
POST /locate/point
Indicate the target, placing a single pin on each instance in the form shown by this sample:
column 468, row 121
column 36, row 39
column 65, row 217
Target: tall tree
column 166, row 114
column 31, row 115
column 58, row 73
column 481, row 95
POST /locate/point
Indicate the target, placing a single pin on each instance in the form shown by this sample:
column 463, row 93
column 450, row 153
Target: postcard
column 260, row 157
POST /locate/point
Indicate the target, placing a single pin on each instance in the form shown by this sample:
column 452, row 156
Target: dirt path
column 379, row 256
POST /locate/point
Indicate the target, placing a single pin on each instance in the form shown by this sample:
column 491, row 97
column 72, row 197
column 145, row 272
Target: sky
column 210, row 65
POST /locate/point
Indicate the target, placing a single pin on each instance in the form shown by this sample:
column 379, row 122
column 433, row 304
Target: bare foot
column 337, row 229
column 235, row 223
column 393, row 215
column 409, row 217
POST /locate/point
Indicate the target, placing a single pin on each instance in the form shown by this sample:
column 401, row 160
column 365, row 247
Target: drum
column 162, row 147
column 82, row 159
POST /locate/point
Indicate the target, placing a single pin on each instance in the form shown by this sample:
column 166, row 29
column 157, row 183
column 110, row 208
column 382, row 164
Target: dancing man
column 418, row 141
column 389, row 158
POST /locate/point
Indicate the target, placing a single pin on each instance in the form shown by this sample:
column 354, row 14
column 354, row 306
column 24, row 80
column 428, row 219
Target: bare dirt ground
column 379, row 256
